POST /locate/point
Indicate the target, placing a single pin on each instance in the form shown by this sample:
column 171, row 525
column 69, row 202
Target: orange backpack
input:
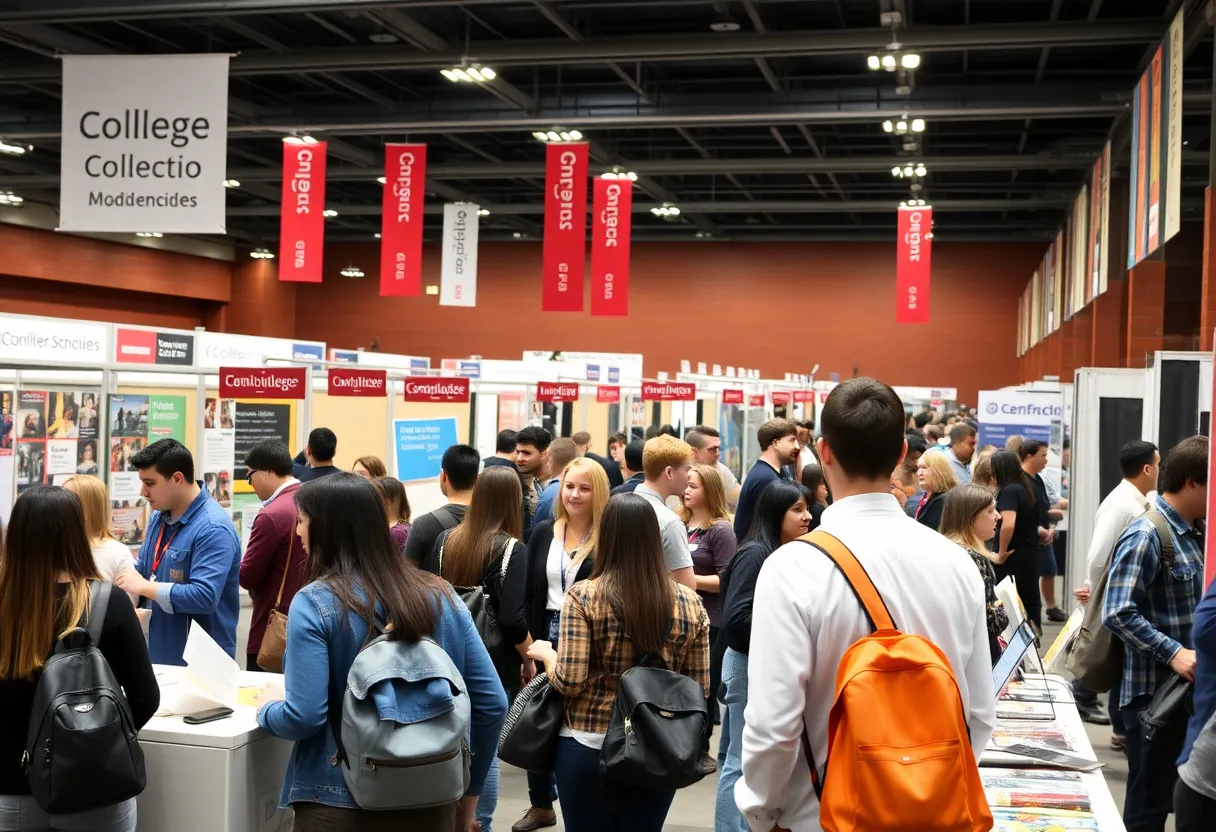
column 899, row 752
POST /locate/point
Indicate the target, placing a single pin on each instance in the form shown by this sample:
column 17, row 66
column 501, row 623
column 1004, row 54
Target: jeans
column 590, row 804
column 1193, row 811
column 488, row 802
column 727, row 817
column 21, row 813
column 716, row 648
column 1152, row 771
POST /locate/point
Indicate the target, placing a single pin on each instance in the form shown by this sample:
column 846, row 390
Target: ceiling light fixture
column 352, row 271
column 893, row 59
column 10, row 199
column 483, row 212
column 558, row 134
column 904, row 125
column 469, row 74
column 232, row 183
column 432, row 289
column 15, row 149
column 377, row 235
column 329, row 212
column 294, row 139
column 666, row 210
column 912, row 169
column 382, row 180
column 618, row 174
column 148, row 234
column 517, row 235
column 262, row 254
column 913, row 203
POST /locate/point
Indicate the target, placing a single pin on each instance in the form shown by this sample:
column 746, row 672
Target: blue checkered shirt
column 1149, row 611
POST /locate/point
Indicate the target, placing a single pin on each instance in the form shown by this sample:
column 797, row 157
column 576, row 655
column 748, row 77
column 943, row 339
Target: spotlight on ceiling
column 232, row 183
column 352, row 271
column 469, row 74
column 329, row 212
column 15, row 149
column 666, row 210
column 305, row 139
column 558, row 134
column 261, row 254
column 148, row 234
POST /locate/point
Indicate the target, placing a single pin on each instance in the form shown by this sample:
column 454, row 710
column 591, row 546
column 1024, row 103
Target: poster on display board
column 231, row 427
column 418, row 446
column 53, row 435
column 134, row 422
column 512, row 411
column 1030, row 415
column 7, row 420
column 219, row 448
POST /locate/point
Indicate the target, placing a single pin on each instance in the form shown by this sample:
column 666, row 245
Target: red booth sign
column 436, row 389
column 804, row 396
column 781, row 397
column 755, row 400
column 668, row 391
column 732, row 397
column 263, row 382
column 344, row 382
column 557, row 391
column 606, row 394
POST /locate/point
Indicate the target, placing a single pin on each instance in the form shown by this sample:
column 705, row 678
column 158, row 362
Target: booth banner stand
column 135, row 422
column 1006, row 413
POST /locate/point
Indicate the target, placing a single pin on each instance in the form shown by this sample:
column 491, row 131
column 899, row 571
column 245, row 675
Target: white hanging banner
column 458, row 272
column 145, row 141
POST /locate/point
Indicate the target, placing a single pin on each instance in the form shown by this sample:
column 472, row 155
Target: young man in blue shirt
column 779, row 449
column 1150, row 606
column 189, row 566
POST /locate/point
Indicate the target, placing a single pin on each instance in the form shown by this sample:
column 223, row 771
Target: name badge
column 692, row 547
column 177, row 576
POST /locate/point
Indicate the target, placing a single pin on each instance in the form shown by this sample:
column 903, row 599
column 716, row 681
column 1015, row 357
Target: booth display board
column 135, row 422
column 231, row 427
column 53, row 435
column 1006, row 413
column 1179, row 398
column 419, row 445
column 1107, row 412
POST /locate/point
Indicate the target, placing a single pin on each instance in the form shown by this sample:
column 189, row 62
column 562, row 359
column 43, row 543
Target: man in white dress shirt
column 805, row 615
column 1140, row 463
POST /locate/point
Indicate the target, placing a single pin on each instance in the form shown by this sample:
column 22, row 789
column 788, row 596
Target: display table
column 1068, row 723
column 223, row 776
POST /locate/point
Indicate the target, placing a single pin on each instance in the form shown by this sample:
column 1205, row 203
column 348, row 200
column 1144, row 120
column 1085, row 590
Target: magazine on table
column 1042, row 820
column 1035, row 789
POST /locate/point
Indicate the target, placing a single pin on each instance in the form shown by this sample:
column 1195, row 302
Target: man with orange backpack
column 870, row 643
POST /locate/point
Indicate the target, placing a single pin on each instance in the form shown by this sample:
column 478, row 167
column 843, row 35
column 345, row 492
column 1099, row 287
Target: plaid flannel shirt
column 1149, row 611
column 594, row 650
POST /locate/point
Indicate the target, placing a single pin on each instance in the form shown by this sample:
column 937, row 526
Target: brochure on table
column 210, row 679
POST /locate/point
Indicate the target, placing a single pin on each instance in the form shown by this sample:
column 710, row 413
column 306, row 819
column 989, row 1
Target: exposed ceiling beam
column 742, row 45
column 673, row 167
column 818, row 206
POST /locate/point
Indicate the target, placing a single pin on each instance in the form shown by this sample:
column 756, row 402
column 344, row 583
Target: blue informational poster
column 420, row 444
column 1024, row 413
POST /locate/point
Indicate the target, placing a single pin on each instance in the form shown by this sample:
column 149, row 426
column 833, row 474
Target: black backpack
column 477, row 599
column 82, row 750
column 654, row 735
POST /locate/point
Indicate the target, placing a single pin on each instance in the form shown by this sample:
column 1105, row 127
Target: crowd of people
column 549, row 564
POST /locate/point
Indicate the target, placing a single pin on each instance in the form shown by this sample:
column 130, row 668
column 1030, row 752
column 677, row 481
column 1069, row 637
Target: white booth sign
column 220, row 349
column 145, row 142
column 1006, row 413
column 25, row 338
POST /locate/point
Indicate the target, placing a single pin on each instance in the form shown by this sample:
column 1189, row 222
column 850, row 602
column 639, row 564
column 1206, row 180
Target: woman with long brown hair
column 370, row 467
column 357, row 577
column 45, row 574
column 969, row 518
column 396, row 508
column 485, row 551
column 631, row 583
column 561, row 552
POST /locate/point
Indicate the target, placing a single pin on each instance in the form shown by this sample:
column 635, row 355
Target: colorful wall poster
column 1097, row 255
column 52, row 440
column 419, row 445
column 8, row 420
column 135, row 422
column 219, row 449
column 1155, row 200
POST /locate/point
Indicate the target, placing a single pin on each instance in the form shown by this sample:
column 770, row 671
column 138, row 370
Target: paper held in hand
column 210, row 678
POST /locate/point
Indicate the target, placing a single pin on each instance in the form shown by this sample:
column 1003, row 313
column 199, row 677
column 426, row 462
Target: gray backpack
column 408, row 758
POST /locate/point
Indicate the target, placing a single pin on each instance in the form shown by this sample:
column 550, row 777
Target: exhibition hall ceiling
column 759, row 119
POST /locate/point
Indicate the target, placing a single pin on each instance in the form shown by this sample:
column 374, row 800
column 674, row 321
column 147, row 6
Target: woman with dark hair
column 782, row 514
column 1018, row 534
column 813, row 481
column 969, row 518
column 44, row 590
column 472, row 554
column 396, row 508
column 356, row 577
column 631, row 583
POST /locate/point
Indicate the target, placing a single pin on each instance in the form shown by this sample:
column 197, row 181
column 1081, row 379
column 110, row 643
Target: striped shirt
column 1151, row 611
column 594, row 650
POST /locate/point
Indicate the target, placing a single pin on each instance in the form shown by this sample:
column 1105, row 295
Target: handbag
column 529, row 733
column 274, row 639
column 1170, row 709
column 654, row 735
column 477, row 599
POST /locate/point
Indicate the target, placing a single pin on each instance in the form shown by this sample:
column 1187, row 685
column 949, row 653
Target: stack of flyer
column 1038, row 800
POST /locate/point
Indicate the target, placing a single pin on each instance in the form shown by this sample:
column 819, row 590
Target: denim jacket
column 320, row 652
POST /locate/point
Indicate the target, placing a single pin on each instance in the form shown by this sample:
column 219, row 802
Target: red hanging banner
column 263, row 382
column 732, row 397
column 401, row 220
column 610, row 229
column 607, row 394
column 913, row 249
column 556, row 391
column 344, row 381
column 565, row 251
column 302, row 221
